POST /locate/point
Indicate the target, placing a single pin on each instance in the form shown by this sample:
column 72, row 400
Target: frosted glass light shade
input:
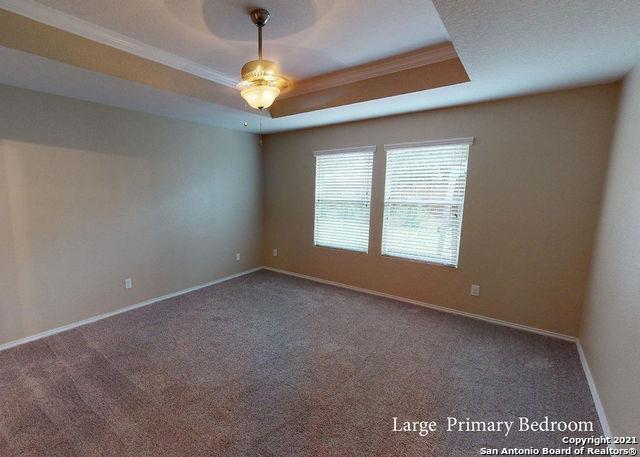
column 260, row 97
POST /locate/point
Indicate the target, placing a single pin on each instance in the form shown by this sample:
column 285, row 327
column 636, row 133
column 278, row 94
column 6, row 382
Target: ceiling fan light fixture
column 261, row 80
column 260, row 97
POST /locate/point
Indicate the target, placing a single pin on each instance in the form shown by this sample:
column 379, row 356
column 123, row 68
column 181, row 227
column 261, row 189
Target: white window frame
column 468, row 141
column 343, row 151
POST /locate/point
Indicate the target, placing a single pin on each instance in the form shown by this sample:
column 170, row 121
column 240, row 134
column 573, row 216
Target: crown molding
column 383, row 67
column 72, row 24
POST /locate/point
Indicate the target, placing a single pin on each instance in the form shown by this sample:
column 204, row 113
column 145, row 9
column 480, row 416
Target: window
column 423, row 201
column 343, row 198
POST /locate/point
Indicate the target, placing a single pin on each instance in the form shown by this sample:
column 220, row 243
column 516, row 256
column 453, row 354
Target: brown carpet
column 270, row 365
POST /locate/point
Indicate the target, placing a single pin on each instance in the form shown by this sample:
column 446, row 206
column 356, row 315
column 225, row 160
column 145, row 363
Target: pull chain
column 244, row 114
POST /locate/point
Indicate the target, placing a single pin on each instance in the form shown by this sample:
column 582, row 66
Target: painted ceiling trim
column 439, row 74
column 407, row 61
column 72, row 24
column 28, row 35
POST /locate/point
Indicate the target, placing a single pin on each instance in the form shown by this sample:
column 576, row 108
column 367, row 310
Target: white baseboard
column 604, row 423
column 526, row 328
column 89, row 320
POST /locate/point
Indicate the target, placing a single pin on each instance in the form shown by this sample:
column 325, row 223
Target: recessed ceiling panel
column 307, row 37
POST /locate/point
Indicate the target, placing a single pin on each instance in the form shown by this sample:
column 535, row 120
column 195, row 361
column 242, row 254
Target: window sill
column 340, row 249
column 422, row 262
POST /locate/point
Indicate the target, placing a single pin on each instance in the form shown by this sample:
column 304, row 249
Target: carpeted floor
column 271, row 365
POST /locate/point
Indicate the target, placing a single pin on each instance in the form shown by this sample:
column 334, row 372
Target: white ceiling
column 509, row 48
column 306, row 37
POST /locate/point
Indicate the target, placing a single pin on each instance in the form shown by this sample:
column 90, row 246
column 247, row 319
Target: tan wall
column 91, row 195
column 534, row 186
column 610, row 331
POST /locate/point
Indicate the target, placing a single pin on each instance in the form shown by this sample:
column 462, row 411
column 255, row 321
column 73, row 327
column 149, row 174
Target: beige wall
column 533, row 193
column 91, row 195
column 610, row 332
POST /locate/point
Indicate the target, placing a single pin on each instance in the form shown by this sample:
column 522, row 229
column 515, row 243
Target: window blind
column 343, row 198
column 424, row 200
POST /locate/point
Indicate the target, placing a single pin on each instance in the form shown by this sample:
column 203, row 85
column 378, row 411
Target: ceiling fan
column 261, row 79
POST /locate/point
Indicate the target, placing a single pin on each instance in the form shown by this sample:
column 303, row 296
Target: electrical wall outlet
column 475, row 290
column 238, row 256
column 128, row 283
column 275, row 253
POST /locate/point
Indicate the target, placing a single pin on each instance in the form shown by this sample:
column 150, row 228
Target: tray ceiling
column 507, row 49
